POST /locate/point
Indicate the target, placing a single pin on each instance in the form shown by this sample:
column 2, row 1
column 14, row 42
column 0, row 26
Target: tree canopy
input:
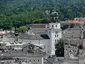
column 22, row 29
column 15, row 13
column 59, row 48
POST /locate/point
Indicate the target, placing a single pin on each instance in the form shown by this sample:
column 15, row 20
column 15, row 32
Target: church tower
column 55, row 35
column 54, row 31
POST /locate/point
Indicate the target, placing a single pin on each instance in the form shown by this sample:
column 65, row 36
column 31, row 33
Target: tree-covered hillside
column 65, row 7
column 20, row 12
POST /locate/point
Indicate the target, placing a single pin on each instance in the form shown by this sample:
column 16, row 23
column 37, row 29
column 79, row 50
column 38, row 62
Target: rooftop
column 72, row 42
column 37, row 52
column 76, row 21
column 31, row 36
column 39, row 25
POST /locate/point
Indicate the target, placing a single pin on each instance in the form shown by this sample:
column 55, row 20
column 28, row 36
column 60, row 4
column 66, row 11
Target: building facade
column 45, row 36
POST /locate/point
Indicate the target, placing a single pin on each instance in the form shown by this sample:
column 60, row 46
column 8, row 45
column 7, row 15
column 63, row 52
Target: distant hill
column 66, row 8
column 12, row 4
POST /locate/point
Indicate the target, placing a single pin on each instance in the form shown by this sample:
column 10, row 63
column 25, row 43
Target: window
column 55, row 35
column 70, row 51
column 52, row 26
column 38, row 60
column 66, row 49
column 44, row 46
column 69, row 47
column 56, row 32
column 55, row 41
column 56, row 25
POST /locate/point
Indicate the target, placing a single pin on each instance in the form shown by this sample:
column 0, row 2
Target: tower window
column 56, row 32
column 55, row 35
column 55, row 41
column 56, row 25
column 52, row 26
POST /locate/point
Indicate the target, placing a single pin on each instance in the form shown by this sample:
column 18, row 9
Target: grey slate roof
column 22, row 54
column 73, row 42
column 39, row 30
column 72, row 32
column 38, row 25
column 31, row 37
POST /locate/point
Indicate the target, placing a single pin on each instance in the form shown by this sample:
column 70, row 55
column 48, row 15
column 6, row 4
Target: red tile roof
column 76, row 21
column 39, row 26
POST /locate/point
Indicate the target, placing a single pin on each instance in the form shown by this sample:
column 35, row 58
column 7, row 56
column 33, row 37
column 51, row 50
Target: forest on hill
column 20, row 12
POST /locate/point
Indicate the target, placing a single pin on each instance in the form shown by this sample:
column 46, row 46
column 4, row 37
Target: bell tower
column 55, row 32
column 55, row 35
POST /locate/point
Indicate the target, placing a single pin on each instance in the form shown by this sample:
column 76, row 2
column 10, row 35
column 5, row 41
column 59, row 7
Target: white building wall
column 42, row 60
column 54, row 25
column 52, row 38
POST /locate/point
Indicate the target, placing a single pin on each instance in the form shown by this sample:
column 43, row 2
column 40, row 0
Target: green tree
column 22, row 29
column 59, row 48
column 7, row 27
